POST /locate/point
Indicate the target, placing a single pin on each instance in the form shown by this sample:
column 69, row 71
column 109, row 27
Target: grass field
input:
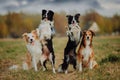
column 107, row 54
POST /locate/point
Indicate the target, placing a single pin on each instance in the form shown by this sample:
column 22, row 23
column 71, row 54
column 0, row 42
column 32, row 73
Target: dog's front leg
column 91, row 64
column 34, row 64
column 79, row 62
column 80, row 66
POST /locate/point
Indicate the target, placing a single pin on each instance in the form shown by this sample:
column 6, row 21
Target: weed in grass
column 111, row 58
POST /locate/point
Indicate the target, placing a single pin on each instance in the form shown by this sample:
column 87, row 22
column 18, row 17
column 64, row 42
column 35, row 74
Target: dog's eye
column 32, row 36
column 28, row 37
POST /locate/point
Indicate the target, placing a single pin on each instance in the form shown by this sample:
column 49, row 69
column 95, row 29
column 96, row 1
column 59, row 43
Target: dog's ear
column 93, row 33
column 51, row 12
column 24, row 36
column 50, row 15
column 83, row 33
column 68, row 16
column 77, row 15
column 34, row 32
column 43, row 11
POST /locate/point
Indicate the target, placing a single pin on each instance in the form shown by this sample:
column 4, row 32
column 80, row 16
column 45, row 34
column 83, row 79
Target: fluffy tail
column 24, row 66
column 27, row 64
column 14, row 67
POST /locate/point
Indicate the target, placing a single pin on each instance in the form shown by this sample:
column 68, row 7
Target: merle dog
column 74, row 34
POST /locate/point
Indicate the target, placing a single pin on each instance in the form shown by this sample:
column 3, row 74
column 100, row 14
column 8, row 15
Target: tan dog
column 85, row 55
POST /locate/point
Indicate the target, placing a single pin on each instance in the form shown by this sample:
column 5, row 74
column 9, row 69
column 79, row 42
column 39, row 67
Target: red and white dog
column 34, row 48
column 85, row 55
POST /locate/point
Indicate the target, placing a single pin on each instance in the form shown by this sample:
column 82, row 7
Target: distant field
column 107, row 54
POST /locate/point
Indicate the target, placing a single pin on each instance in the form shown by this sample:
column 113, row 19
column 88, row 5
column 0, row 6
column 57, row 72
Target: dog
column 85, row 54
column 34, row 51
column 74, row 36
column 47, row 32
column 47, row 15
column 34, row 48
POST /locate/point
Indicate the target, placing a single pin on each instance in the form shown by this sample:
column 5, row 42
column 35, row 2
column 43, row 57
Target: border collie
column 85, row 54
column 47, row 32
column 74, row 35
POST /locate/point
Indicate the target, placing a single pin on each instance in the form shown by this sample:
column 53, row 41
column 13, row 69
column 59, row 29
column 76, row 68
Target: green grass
column 107, row 54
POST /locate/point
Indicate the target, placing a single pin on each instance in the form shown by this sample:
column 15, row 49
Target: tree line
column 13, row 25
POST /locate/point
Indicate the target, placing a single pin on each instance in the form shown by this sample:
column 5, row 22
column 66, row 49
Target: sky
column 103, row 7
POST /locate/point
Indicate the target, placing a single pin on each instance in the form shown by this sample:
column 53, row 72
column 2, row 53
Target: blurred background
column 19, row 16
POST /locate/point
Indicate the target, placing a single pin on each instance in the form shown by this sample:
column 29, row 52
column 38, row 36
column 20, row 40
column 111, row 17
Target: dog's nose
column 87, row 37
column 31, row 40
column 73, row 22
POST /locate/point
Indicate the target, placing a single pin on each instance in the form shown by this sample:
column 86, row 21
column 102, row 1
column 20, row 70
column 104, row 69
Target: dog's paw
column 54, row 71
column 60, row 69
column 66, row 72
column 44, row 69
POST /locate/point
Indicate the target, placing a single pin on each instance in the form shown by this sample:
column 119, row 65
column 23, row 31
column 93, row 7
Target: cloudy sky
column 104, row 7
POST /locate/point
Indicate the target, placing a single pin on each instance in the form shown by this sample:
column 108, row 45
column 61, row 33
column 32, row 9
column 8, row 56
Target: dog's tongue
column 73, row 24
column 32, row 43
column 45, row 19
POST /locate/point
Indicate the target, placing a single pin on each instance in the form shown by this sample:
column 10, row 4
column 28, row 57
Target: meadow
column 107, row 54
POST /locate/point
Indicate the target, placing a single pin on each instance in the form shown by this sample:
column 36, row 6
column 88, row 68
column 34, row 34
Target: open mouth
column 73, row 24
column 45, row 19
column 32, row 42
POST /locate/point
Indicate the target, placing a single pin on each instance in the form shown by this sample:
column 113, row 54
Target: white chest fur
column 35, row 49
column 86, row 52
column 45, row 30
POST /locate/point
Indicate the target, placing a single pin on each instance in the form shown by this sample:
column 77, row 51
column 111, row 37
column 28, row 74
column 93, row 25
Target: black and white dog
column 46, row 30
column 74, row 34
